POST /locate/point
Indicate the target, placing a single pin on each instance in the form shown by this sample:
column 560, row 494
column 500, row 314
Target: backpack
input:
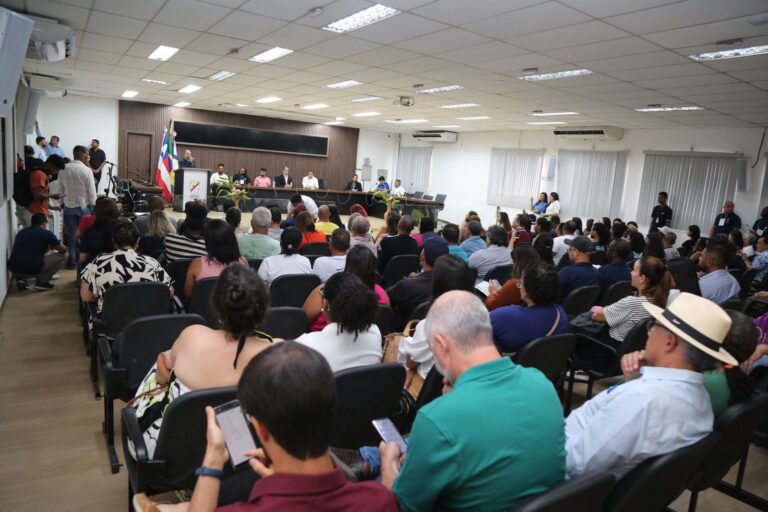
column 22, row 191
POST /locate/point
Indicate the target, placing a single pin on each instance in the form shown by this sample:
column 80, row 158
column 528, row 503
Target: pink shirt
column 260, row 181
column 210, row 267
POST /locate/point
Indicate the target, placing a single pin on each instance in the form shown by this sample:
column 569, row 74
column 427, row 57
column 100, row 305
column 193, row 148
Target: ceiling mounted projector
column 404, row 101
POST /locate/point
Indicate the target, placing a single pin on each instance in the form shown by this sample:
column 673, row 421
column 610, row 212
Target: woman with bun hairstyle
column 289, row 261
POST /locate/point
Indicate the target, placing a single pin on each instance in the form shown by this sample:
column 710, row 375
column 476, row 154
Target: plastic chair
column 312, row 258
column 284, row 322
column 548, row 354
column 385, row 317
column 178, row 272
column 399, row 267
column 418, row 195
column 125, row 363
column 420, row 311
column 254, row 263
column 427, row 197
column 745, row 281
column 317, row 248
column 292, row 290
column 365, row 394
column 200, row 301
column 658, row 481
column 501, row 273
column 581, row 300
column 616, row 292
column 754, row 307
column 584, row 493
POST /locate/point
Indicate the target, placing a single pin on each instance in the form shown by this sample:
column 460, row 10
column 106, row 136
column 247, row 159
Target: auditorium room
column 343, row 255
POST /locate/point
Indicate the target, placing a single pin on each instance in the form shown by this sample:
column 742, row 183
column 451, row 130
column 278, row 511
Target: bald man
column 726, row 221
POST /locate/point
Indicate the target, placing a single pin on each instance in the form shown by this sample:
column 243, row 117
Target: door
column 139, row 157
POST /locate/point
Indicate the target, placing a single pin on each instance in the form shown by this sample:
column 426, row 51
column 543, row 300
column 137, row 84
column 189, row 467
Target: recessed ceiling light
column 367, row 98
column 130, row 94
column 731, row 54
column 448, row 126
column 558, row 74
column 241, row 105
column 182, row 104
column 366, row 114
column 344, row 84
column 221, row 75
column 460, row 105
column 314, row 106
column 668, row 109
column 269, row 99
column 362, row 19
column 546, row 122
column 270, row 55
column 407, row 121
column 544, row 114
column 445, row 88
column 160, row 82
column 190, row 88
column 163, row 53
column 334, row 123
column 340, row 119
column 473, row 118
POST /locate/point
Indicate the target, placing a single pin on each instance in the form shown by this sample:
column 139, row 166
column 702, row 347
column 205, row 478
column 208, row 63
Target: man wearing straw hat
column 667, row 406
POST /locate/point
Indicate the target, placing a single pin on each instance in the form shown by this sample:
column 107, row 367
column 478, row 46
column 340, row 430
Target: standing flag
column 167, row 163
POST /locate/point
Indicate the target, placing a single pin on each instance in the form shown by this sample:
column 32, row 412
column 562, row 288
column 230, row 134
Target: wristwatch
column 206, row 471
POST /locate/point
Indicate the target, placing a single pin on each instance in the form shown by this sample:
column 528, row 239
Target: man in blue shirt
column 473, row 243
column 51, row 148
column 451, row 234
column 580, row 272
column 726, row 221
column 29, row 256
column 717, row 285
column 382, row 185
column 617, row 270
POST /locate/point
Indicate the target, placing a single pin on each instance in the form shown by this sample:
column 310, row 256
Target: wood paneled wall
column 150, row 119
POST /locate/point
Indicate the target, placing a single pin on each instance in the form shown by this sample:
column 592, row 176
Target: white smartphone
column 388, row 432
column 237, row 434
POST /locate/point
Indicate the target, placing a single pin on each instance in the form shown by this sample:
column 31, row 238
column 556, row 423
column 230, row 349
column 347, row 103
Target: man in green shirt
column 493, row 439
column 258, row 245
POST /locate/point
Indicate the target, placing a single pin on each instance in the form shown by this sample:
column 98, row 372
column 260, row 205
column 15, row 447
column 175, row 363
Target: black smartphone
column 388, row 432
column 237, row 433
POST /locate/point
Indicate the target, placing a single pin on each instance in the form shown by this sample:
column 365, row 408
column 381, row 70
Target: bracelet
column 206, row 471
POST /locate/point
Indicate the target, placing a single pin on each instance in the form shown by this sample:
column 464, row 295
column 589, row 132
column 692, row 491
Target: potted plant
column 230, row 191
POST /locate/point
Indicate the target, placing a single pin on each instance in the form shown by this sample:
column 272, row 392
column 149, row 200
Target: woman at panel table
column 540, row 206
column 554, row 204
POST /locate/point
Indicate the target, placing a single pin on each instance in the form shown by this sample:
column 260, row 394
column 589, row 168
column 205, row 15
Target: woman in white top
column 289, row 261
column 351, row 337
column 554, row 204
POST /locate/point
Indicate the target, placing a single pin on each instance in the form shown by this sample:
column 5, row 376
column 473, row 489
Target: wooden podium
column 190, row 184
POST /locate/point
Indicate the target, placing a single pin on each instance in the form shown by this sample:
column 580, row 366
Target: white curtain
column 590, row 183
column 413, row 167
column 764, row 193
column 515, row 177
column 697, row 185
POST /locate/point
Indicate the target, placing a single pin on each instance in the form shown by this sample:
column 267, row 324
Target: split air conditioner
column 436, row 136
column 590, row 132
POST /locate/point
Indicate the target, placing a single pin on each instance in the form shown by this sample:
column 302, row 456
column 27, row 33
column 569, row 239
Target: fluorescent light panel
column 366, row 99
column 272, row 54
column 150, row 81
column 334, row 123
column 130, row 94
column 269, row 99
column 473, row 118
column 314, row 106
column 546, row 122
column 731, row 54
column 669, row 109
column 241, row 105
column 362, row 19
column 182, row 104
column 445, row 88
column 545, row 114
column 190, row 88
column 344, row 84
column 163, row 53
column 407, row 121
column 558, row 74
column 221, row 75
column 448, row 126
column 366, row 114
column 461, row 105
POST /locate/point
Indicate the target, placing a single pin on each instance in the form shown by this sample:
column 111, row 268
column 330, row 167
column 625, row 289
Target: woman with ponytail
column 202, row 357
column 653, row 282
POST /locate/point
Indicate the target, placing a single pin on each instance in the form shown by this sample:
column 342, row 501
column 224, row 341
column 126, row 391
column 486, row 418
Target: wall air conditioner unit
column 590, row 133
column 47, row 86
column 436, row 136
column 50, row 41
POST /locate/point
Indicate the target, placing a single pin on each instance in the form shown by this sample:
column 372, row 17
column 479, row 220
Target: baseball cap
column 581, row 244
column 434, row 247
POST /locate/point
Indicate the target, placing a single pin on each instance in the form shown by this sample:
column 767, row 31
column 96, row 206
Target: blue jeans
column 72, row 218
column 371, row 456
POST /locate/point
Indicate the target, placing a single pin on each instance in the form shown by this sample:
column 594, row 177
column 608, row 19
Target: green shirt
column 495, row 439
column 716, row 384
column 257, row 246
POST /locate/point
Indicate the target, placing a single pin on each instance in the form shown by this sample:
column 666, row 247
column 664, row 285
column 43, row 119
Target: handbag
column 583, row 324
column 392, row 342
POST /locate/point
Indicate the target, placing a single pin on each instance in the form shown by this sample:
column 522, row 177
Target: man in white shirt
column 219, row 177
column 309, row 204
column 559, row 247
column 309, row 181
column 667, row 407
column 398, row 190
column 78, row 191
column 326, row 266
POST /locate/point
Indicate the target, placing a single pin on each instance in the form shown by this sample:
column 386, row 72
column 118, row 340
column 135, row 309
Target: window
column 515, row 177
column 590, row 183
column 413, row 166
column 697, row 184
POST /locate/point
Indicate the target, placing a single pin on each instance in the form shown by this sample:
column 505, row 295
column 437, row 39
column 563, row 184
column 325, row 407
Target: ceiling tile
column 300, row 60
column 75, row 17
column 141, row 50
column 113, row 25
column 266, row 71
column 338, row 69
column 603, row 50
column 166, row 35
column 288, row 10
column 331, row 12
column 92, row 66
column 639, row 61
column 398, row 28
column 382, row 56
column 306, row 78
column 687, row 81
column 243, row 25
column 233, row 64
column 515, row 65
column 296, row 37
column 175, row 69
column 678, row 70
column 602, row 9
column 194, row 58
column 527, row 21
column 573, row 35
column 105, row 43
column 138, row 63
column 457, row 12
column 706, row 34
column 88, row 55
column 742, row 64
column 142, row 9
column 442, row 41
column 421, row 64
column 340, row 47
column 482, row 52
column 191, row 14
column 217, row 45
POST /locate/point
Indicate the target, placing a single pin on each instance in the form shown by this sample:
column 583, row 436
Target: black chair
column 735, row 272
column 431, row 389
column 734, row 304
column 616, row 292
column 125, row 363
column 418, row 195
column 735, row 426
column 440, row 198
column 755, row 306
column 180, row 445
column 658, row 481
column 581, row 300
column 584, row 493
column 548, row 354
column 284, row 322
column 745, row 282
column 178, row 272
column 385, row 318
column 316, row 248
column 312, row 258
column 428, row 197
column 292, row 289
column 598, row 258
column 501, row 273
column 365, row 394
column 399, row 267
column 254, row 263
column 200, row 301
column 420, row 311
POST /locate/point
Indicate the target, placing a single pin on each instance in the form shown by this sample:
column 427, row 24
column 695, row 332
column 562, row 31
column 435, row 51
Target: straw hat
column 698, row 321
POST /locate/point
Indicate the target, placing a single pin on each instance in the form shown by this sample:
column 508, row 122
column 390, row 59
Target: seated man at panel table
column 325, row 266
column 580, row 272
column 324, row 224
column 309, row 181
column 262, row 180
column 717, row 284
column 497, row 253
column 398, row 190
column 354, row 184
column 667, row 407
column 308, row 202
column 409, row 292
column 284, row 180
column 220, row 177
column 382, row 185
column 30, row 257
column 257, row 244
column 241, row 178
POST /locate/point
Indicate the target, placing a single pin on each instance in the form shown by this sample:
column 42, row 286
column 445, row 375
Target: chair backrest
column 548, row 354
column 440, row 198
column 420, row 311
column 181, row 442
column 635, row 340
column 581, row 299
column 427, row 197
column 178, row 272
column 598, row 258
column 735, row 427
column 126, row 302
column 312, row 258
column 584, row 493
column 431, row 389
column 745, row 282
column 318, row 248
column 418, row 195
column 616, row 292
column 136, row 348
column 365, row 394
column 500, row 273
column 385, row 318
column 200, row 301
column 733, row 303
column 658, row 481
column 754, row 306
column 735, row 272
column 284, row 322
column 399, row 267
column 292, row 289
column 254, row 263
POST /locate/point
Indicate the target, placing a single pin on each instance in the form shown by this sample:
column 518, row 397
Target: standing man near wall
column 661, row 216
column 726, row 221
column 98, row 159
column 51, row 148
column 79, row 193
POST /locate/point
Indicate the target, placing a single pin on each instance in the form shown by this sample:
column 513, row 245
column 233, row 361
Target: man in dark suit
column 354, row 184
column 284, row 180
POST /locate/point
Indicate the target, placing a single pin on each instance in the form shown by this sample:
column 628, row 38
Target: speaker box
column 30, row 111
column 14, row 38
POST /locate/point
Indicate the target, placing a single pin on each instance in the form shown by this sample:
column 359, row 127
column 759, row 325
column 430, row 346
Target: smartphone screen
column 389, row 433
column 237, row 435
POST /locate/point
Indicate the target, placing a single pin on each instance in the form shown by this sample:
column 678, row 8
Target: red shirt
column 309, row 237
column 85, row 222
column 286, row 492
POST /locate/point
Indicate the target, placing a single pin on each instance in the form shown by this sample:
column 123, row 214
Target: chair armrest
column 593, row 344
column 134, row 433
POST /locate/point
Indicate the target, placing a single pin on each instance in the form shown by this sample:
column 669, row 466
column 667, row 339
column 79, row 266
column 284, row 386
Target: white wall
column 77, row 120
column 381, row 148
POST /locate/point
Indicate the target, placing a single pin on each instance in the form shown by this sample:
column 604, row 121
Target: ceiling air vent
column 590, row 132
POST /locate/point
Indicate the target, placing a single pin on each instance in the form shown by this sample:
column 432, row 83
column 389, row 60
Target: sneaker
column 44, row 286
column 55, row 277
column 21, row 285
